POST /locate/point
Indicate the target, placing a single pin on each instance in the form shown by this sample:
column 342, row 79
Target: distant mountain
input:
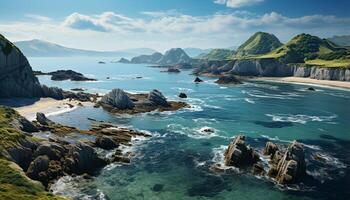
column 154, row 58
column 171, row 57
column 259, row 43
column 39, row 48
column 343, row 40
column 175, row 56
column 307, row 47
column 217, row 54
column 193, row 52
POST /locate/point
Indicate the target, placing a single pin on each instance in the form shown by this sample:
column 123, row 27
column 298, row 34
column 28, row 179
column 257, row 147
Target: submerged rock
column 157, row 98
column 311, row 89
column 117, row 98
column 228, row 79
column 238, row 154
column 182, row 95
column 198, row 80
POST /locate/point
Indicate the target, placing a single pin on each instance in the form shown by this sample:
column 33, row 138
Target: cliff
column 16, row 77
column 270, row 67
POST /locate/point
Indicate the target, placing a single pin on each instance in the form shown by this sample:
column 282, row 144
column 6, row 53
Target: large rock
column 228, row 79
column 37, row 169
column 23, row 124
column 82, row 158
column 105, row 142
column 270, row 149
column 52, row 150
column 117, row 98
column 16, row 75
column 238, row 154
column 41, row 118
column 290, row 166
column 157, row 98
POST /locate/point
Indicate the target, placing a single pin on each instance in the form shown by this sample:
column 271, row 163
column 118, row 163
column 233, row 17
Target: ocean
column 175, row 162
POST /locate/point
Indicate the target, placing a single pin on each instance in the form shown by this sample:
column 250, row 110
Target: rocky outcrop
column 183, row 95
column 270, row 149
column 41, row 118
column 154, row 100
column 16, row 75
column 61, row 75
column 270, row 67
column 289, row 166
column 105, row 142
column 197, row 80
column 240, row 155
column 117, row 98
column 172, row 70
column 157, row 98
column 228, row 79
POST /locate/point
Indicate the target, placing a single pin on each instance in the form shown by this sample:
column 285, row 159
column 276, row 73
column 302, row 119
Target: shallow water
column 174, row 163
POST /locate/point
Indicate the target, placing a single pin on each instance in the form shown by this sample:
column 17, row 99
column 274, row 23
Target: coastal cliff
column 270, row 67
column 16, row 75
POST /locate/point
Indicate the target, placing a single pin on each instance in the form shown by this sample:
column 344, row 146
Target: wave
column 249, row 100
column 314, row 147
column 180, row 89
column 300, row 118
column 261, row 94
column 205, row 120
column 196, row 133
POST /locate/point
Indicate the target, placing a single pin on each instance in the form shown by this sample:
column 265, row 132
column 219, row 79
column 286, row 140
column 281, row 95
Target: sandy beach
column 48, row 106
column 308, row 81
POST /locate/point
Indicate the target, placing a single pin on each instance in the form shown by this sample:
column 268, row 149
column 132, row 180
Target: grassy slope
column 13, row 184
column 217, row 54
column 311, row 50
column 259, row 43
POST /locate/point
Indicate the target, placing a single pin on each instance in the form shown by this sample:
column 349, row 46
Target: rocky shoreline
column 62, row 75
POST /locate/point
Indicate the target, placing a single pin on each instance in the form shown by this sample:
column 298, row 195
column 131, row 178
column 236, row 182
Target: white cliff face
column 16, row 75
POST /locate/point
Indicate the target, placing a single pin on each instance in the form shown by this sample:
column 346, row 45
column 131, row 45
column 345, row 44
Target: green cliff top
column 259, row 43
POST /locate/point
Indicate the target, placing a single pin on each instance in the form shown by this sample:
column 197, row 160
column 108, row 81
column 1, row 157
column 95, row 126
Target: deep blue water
column 175, row 162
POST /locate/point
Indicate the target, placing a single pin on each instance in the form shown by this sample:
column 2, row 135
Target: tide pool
column 175, row 163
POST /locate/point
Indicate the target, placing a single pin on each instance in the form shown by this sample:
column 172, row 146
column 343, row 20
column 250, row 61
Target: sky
column 164, row 24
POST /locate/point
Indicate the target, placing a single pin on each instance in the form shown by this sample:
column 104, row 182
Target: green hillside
column 217, row 54
column 305, row 48
column 259, row 43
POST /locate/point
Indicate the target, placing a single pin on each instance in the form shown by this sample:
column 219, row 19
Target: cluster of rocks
column 118, row 101
column 172, row 70
column 49, row 160
column 286, row 165
column 59, row 94
column 228, row 79
column 61, row 75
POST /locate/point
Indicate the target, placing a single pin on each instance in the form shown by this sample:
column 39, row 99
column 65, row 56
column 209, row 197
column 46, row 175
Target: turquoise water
column 175, row 162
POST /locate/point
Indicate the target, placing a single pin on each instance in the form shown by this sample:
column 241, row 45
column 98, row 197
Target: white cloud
column 38, row 17
column 166, row 29
column 237, row 3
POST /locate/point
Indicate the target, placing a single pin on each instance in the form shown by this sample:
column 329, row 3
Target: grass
column 329, row 63
column 14, row 185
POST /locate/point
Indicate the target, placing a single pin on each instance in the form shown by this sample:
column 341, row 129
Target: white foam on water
column 300, row 118
column 223, row 87
column 205, row 120
column 61, row 111
column 251, row 101
column 196, row 133
column 315, row 147
column 180, row 89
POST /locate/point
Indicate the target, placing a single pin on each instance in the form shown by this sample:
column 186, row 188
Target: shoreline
column 48, row 106
column 344, row 85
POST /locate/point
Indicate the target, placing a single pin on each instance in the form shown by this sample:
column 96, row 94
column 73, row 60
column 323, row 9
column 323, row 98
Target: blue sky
column 162, row 24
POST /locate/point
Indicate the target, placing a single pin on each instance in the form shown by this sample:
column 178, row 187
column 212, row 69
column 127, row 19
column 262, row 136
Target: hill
column 40, row 48
column 171, row 57
column 305, row 48
column 343, row 40
column 259, row 43
column 194, row 52
column 217, row 54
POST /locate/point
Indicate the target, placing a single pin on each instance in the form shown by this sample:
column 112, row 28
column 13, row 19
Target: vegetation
column 14, row 185
column 217, row 54
column 259, row 43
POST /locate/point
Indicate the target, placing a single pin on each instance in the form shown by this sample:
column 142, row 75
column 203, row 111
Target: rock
column 291, row 166
column 157, row 187
column 78, row 89
column 172, row 70
column 182, row 95
column 101, row 62
column 258, row 169
column 105, row 142
column 117, row 98
column 41, row 118
column 82, row 158
column 238, row 154
column 270, row 149
column 108, row 77
column 52, row 150
column 23, row 124
column 157, row 98
column 16, row 76
column 37, row 169
column 198, row 80
column 311, row 89
column 228, row 79
column 61, row 75
column 53, row 92
column 21, row 155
